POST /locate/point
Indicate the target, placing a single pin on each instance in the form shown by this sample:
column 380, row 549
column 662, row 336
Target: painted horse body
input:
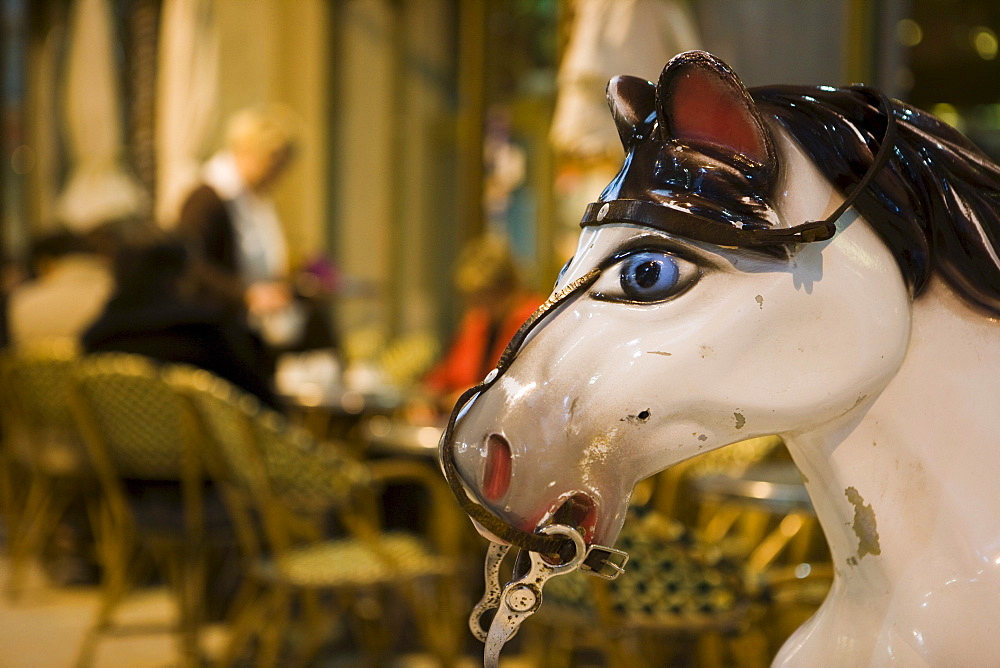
column 888, row 403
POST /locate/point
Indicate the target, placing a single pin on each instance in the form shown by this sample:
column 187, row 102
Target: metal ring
column 573, row 535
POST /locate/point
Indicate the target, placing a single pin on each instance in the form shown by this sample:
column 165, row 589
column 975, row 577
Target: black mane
column 936, row 204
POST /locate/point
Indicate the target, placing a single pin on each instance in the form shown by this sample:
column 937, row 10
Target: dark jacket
column 188, row 333
column 206, row 227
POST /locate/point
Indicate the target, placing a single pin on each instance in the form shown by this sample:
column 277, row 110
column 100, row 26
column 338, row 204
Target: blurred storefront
column 423, row 123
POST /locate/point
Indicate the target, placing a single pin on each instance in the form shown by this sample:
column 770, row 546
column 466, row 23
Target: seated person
column 497, row 304
column 162, row 310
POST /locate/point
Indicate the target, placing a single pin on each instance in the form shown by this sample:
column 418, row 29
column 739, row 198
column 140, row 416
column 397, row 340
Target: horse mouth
column 579, row 511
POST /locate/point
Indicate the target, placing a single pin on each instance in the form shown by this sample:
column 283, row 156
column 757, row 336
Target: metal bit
column 491, row 596
column 522, row 596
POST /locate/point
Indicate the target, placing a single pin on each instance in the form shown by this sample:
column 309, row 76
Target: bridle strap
column 690, row 225
column 535, row 542
column 881, row 157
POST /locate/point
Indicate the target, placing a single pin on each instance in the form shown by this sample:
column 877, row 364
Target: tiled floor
column 44, row 627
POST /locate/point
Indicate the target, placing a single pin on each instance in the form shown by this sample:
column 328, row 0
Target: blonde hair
column 265, row 130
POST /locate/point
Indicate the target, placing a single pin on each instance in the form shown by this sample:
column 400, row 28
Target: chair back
column 262, row 451
column 306, row 474
column 34, row 404
column 285, row 490
column 136, row 428
column 268, row 467
column 137, row 419
column 155, row 500
column 224, row 414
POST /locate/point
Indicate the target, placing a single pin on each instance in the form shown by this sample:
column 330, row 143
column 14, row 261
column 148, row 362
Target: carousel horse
column 811, row 262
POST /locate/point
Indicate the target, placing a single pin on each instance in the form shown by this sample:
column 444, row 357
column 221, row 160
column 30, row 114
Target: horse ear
column 700, row 101
column 633, row 103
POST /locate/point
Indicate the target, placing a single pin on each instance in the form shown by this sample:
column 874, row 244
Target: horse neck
column 911, row 477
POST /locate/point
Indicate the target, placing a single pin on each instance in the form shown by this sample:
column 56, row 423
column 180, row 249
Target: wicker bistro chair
column 156, row 511
column 679, row 598
column 43, row 466
column 762, row 516
column 279, row 482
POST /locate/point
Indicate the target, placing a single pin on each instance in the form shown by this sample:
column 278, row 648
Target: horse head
column 750, row 271
column 682, row 345
column 730, row 292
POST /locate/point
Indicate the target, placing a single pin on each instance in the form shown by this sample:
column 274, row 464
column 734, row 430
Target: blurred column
column 423, row 225
column 891, row 71
column 367, row 165
column 15, row 155
column 395, row 166
column 99, row 188
column 142, row 20
column 859, row 40
column 186, row 107
column 303, row 61
column 471, row 112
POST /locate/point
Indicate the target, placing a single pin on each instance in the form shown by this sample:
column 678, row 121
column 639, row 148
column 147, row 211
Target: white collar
column 221, row 174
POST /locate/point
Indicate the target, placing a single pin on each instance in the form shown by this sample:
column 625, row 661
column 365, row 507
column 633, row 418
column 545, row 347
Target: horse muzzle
column 503, row 472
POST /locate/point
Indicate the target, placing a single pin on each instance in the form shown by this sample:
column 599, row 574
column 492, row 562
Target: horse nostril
column 496, row 477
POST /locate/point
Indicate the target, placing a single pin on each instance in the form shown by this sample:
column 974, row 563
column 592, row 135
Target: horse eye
column 649, row 276
column 646, row 277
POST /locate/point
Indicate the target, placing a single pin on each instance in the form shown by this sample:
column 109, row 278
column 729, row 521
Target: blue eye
column 649, row 276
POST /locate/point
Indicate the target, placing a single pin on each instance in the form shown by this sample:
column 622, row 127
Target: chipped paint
column 702, row 437
column 864, row 524
column 740, row 420
column 597, row 452
column 760, row 301
column 639, row 418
